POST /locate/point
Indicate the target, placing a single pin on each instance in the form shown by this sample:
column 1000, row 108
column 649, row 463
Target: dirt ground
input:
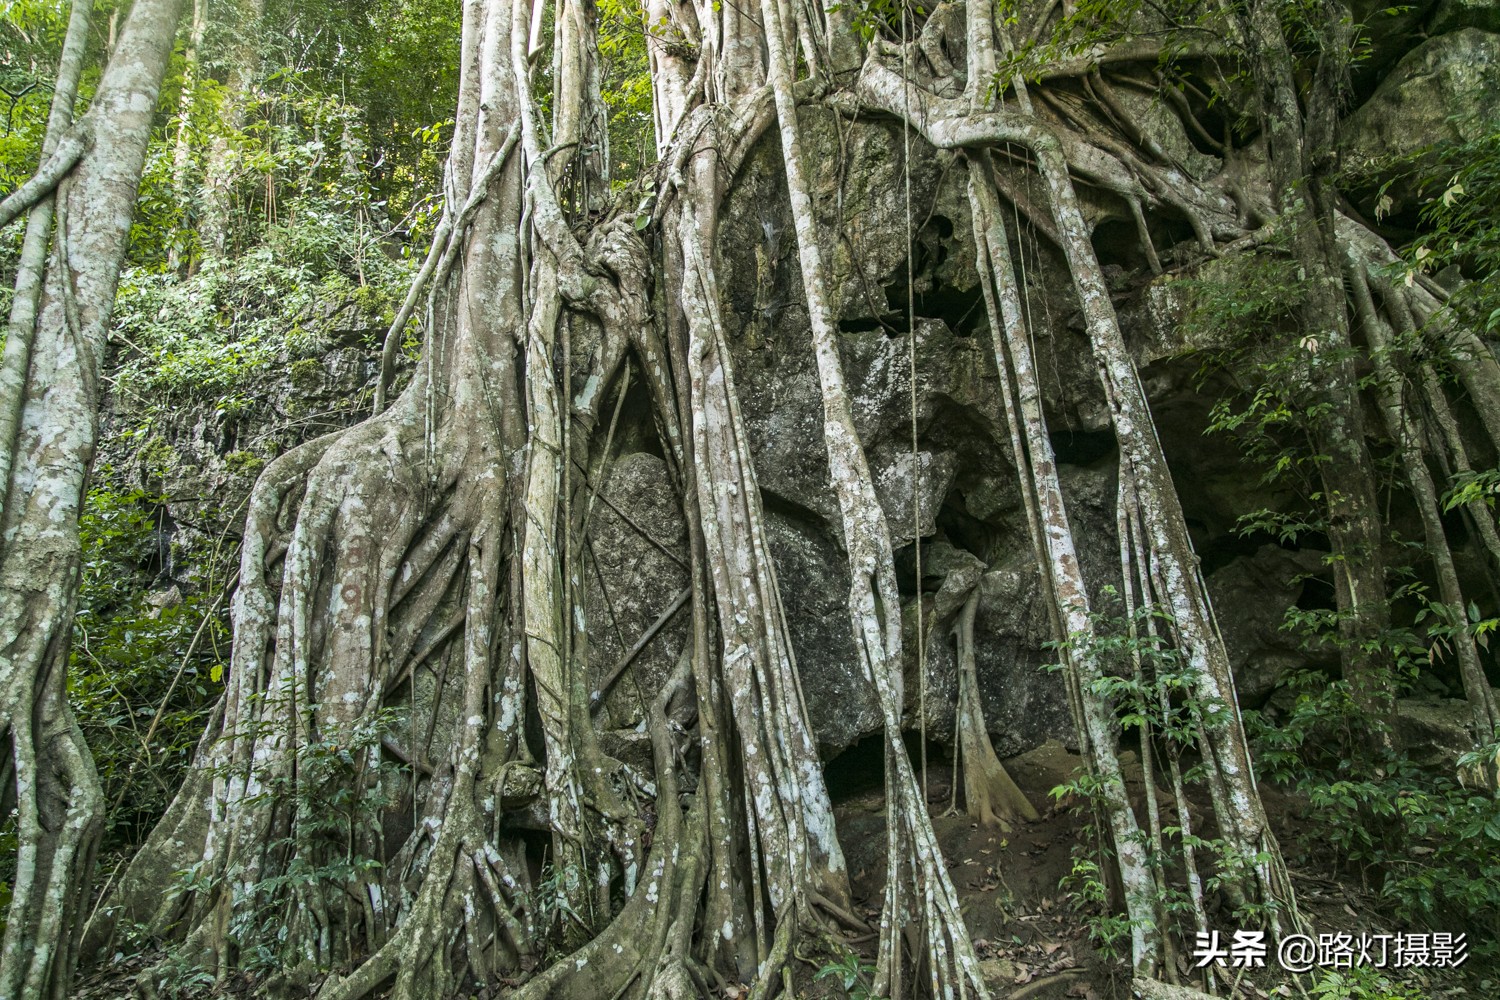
column 1032, row 939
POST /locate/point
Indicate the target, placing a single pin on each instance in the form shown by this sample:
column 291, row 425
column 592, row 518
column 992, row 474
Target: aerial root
column 149, row 891
column 335, row 505
column 990, row 794
column 59, row 814
column 650, row 938
column 1403, row 428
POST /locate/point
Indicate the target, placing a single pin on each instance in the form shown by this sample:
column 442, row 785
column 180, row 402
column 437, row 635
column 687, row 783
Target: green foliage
column 1460, row 182
column 1419, row 837
column 851, row 973
column 1084, row 885
column 1144, row 676
column 1153, row 691
column 289, row 297
column 1424, row 842
column 1473, row 487
column 1361, row 983
column 625, row 83
column 1458, row 240
column 293, row 150
column 361, row 54
column 1087, row 25
column 871, row 18
column 558, row 921
column 31, row 38
column 338, row 788
column 1269, row 372
column 27, row 32
column 141, row 662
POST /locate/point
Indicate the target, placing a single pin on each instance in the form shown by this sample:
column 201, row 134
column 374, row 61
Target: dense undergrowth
column 1416, row 832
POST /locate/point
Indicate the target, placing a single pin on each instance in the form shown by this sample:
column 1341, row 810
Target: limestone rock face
column 1251, row 594
column 635, row 571
column 203, row 453
column 954, row 491
column 1451, row 15
column 963, row 499
column 1387, row 31
column 1442, row 90
column 1435, row 731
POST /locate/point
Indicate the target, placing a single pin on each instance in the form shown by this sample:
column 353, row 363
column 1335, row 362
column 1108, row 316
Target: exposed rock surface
column 1252, row 594
column 202, row 452
column 1434, row 731
column 956, row 489
column 635, row 571
column 1451, row 15
column 1444, row 89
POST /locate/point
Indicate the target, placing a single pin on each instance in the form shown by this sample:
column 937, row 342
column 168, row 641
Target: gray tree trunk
column 49, row 773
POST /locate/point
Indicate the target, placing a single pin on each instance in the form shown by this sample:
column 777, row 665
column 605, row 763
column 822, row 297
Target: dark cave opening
column 1072, row 447
column 636, row 430
column 1221, row 550
column 926, row 295
column 1117, row 244
column 967, row 532
column 859, row 770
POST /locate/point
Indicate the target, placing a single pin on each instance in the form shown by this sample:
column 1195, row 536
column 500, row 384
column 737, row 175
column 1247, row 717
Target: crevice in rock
column 1074, row 447
column 856, row 771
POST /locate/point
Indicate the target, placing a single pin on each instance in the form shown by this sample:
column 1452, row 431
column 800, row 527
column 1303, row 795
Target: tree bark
column 49, row 772
column 242, row 65
column 1300, row 143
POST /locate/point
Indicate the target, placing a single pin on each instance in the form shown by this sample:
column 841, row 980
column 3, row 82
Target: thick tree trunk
column 479, row 526
column 48, row 772
column 1299, row 143
column 241, row 59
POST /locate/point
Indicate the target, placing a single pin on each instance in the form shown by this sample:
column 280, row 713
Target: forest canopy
column 597, row 499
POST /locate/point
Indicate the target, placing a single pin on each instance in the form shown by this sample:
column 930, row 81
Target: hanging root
column 1404, row 430
column 919, row 893
column 1052, row 540
column 50, row 782
column 989, row 791
column 990, row 795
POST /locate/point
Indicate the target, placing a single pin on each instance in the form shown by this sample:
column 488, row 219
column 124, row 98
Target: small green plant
column 1473, row 487
column 1155, row 693
column 555, row 886
column 1089, row 895
column 339, row 789
column 1360, row 983
column 852, row 973
column 1422, row 841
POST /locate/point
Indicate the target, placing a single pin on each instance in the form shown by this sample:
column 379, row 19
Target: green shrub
column 1421, row 840
column 145, row 667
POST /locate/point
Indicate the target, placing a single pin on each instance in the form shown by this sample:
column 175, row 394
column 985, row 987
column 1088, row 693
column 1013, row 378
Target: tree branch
column 69, row 151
